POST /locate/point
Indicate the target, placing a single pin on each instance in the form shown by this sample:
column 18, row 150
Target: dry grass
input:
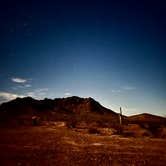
column 60, row 146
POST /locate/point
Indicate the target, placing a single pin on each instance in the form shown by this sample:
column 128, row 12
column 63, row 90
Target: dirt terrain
column 78, row 131
column 61, row 146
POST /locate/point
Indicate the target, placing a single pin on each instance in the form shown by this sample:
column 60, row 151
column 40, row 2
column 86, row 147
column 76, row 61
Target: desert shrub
column 94, row 131
column 146, row 134
column 35, row 120
column 82, row 125
column 161, row 132
column 135, row 130
column 128, row 133
column 134, row 127
column 108, row 131
column 143, row 133
column 71, row 123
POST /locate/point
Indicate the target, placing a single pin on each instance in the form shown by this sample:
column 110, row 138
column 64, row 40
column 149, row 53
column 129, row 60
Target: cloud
column 31, row 94
column 128, row 88
column 41, row 90
column 123, row 89
column 116, row 91
column 38, row 93
column 18, row 80
column 27, row 85
column 22, row 86
column 5, row 96
column 67, row 94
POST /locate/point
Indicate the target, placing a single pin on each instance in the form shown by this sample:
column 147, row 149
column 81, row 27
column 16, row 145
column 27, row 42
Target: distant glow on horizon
column 4, row 96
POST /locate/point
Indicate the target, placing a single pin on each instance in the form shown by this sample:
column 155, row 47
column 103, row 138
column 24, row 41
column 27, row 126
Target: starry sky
column 113, row 51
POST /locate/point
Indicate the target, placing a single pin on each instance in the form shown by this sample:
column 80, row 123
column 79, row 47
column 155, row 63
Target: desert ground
column 59, row 145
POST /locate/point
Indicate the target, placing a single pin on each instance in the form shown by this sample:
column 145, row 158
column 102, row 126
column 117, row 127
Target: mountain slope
column 147, row 119
column 71, row 104
column 21, row 110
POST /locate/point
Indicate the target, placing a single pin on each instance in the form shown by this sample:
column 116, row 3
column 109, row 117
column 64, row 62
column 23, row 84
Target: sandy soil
column 60, row 146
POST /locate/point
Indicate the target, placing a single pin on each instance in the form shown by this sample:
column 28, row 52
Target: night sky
column 113, row 51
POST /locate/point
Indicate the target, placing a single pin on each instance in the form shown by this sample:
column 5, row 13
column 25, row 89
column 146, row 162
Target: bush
column 94, row 131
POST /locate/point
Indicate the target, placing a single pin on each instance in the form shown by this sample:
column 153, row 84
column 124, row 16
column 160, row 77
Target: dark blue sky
column 113, row 51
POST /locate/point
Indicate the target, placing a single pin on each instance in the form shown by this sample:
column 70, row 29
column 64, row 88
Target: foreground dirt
column 60, row 146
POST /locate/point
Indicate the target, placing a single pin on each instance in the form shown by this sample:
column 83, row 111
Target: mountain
column 147, row 118
column 73, row 110
column 21, row 110
column 71, row 104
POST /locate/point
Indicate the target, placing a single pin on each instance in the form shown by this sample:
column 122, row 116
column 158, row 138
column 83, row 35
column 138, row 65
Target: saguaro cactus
column 120, row 116
column 120, row 121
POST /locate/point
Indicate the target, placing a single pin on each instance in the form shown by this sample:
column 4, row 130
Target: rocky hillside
column 76, row 112
column 23, row 109
column 147, row 119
